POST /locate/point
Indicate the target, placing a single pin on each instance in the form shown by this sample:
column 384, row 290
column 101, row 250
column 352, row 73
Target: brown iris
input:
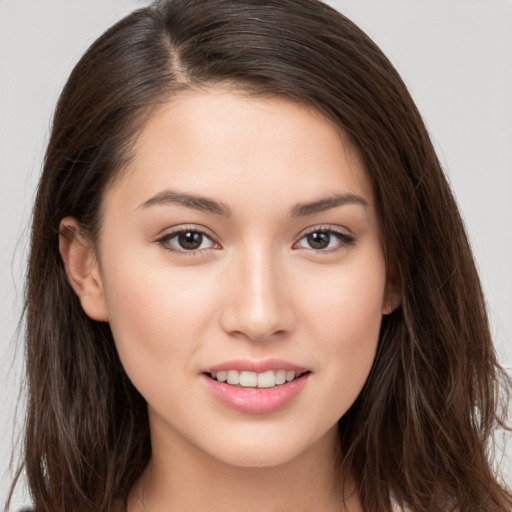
column 190, row 240
column 319, row 239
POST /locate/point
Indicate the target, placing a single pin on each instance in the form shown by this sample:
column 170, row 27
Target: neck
column 182, row 477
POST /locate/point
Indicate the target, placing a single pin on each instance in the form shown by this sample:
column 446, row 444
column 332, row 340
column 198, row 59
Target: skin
column 255, row 289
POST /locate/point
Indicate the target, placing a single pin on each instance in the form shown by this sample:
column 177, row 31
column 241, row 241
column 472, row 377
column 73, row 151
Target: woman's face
column 243, row 237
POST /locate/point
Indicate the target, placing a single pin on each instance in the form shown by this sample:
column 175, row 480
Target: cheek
column 347, row 305
column 157, row 316
column 344, row 324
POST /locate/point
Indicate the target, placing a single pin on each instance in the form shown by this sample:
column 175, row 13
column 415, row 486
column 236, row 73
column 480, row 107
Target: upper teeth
column 252, row 379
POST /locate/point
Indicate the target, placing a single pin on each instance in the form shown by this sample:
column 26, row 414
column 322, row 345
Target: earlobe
column 82, row 269
column 389, row 304
column 393, row 293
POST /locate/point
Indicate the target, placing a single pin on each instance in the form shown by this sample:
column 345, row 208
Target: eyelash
column 164, row 240
column 345, row 240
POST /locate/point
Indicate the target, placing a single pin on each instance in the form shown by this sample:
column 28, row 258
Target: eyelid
column 164, row 238
column 347, row 238
column 327, row 227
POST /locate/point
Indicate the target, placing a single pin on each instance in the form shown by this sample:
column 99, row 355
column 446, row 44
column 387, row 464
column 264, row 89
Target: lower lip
column 256, row 400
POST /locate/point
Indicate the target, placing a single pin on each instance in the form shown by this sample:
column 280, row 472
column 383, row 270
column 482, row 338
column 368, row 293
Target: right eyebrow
column 196, row 202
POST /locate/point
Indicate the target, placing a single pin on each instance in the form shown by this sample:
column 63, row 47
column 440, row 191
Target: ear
column 393, row 292
column 82, row 269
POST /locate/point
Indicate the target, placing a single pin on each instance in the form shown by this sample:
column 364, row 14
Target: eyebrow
column 208, row 205
column 304, row 209
column 189, row 201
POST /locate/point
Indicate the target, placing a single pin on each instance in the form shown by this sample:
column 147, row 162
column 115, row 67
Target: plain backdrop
column 455, row 56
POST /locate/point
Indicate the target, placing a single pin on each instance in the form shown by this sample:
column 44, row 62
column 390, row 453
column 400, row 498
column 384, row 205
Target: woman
column 249, row 283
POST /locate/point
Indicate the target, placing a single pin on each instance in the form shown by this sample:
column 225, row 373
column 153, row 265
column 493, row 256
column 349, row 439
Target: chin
column 265, row 450
column 258, row 457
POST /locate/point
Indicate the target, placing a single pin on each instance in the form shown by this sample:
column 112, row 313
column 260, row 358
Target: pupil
column 190, row 240
column 319, row 240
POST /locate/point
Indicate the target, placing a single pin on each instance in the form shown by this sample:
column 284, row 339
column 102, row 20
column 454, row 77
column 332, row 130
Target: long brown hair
column 421, row 429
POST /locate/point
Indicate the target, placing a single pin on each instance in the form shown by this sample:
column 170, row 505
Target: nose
column 258, row 302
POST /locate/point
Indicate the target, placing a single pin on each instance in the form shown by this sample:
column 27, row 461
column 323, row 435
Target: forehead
column 224, row 142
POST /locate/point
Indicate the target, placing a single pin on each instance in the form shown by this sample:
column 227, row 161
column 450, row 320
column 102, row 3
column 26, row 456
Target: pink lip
column 255, row 365
column 255, row 400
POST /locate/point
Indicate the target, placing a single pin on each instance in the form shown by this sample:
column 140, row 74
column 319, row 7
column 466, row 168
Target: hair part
column 420, row 430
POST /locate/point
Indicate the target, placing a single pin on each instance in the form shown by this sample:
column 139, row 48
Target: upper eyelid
column 169, row 232
column 337, row 229
column 208, row 233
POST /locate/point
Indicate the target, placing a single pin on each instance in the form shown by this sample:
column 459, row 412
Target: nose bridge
column 258, row 304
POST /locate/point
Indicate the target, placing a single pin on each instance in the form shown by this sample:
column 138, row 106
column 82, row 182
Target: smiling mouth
column 247, row 379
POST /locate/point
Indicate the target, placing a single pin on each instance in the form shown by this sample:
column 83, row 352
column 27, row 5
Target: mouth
column 250, row 379
column 256, row 387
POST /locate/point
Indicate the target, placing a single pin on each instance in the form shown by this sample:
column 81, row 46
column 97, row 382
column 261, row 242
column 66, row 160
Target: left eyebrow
column 304, row 209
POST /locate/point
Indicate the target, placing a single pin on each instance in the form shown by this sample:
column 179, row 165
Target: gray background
column 455, row 56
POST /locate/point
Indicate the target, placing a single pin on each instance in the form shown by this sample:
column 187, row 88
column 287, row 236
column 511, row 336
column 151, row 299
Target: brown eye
column 319, row 240
column 190, row 240
column 326, row 240
column 186, row 241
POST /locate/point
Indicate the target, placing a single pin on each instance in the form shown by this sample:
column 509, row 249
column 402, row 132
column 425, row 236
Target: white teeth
column 267, row 379
column 233, row 377
column 248, row 379
column 280, row 377
column 252, row 379
column 290, row 375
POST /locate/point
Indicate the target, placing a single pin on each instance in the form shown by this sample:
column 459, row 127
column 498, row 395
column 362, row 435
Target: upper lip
column 256, row 365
